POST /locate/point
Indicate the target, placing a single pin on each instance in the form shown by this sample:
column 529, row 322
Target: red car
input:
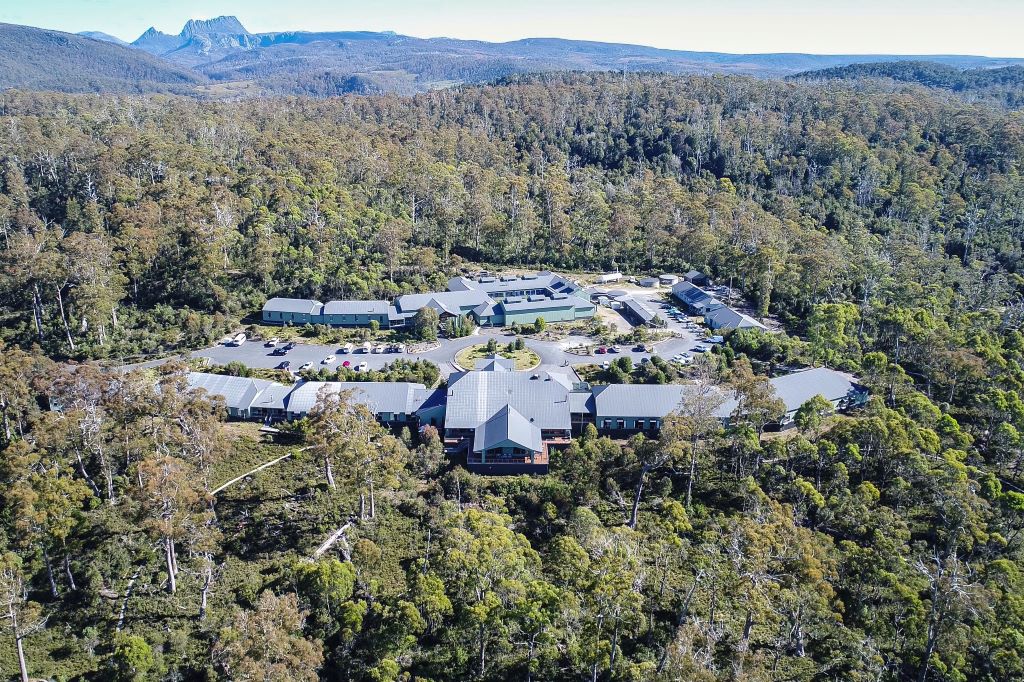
column 601, row 350
column 346, row 364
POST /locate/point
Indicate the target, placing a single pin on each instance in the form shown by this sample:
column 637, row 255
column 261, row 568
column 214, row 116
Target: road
column 552, row 353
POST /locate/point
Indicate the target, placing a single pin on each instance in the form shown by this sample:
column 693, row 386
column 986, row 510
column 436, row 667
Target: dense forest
column 882, row 229
column 1003, row 86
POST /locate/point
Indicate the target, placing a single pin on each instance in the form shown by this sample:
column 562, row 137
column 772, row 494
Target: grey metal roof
column 449, row 301
column 474, row 396
column 637, row 400
column 428, row 398
column 356, row 308
column 637, row 309
column 560, row 377
column 727, row 318
column 797, row 388
column 581, row 402
column 485, row 309
column 505, row 283
column 496, row 363
column 530, row 305
column 690, row 293
column 293, row 305
column 238, row 392
column 507, row 425
column 379, row 396
column 274, row 397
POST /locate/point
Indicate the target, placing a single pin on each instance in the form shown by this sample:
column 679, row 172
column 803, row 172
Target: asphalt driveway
column 552, row 354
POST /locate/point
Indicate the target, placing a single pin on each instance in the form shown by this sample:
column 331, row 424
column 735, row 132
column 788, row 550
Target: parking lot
column 553, row 354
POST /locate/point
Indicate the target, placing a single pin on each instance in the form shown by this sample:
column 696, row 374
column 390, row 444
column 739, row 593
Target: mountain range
column 220, row 58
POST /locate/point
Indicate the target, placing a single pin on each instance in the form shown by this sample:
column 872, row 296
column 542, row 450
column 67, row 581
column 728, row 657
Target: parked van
column 238, row 339
column 346, row 349
column 366, row 347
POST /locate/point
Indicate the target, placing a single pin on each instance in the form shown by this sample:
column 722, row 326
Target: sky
column 980, row 27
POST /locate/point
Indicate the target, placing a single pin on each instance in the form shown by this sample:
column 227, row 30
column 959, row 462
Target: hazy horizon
column 911, row 27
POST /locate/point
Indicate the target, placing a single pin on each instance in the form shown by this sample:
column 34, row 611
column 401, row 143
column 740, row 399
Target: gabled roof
column 637, row 400
column 485, row 309
column 306, row 306
column 728, row 318
column 448, row 301
column 378, row 396
column 506, row 283
column 797, row 388
column 690, row 293
column 581, row 402
column 496, row 363
column 635, row 307
column 356, row 308
column 474, row 396
column 238, row 393
column 507, row 425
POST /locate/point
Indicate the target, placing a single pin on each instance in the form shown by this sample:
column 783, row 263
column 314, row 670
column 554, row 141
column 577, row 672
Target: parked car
column 346, row 364
column 346, row 349
column 284, row 364
column 378, row 349
column 399, row 347
column 290, row 345
column 361, row 367
column 700, row 349
column 639, row 348
column 280, row 350
column 238, row 339
column 366, row 347
column 717, row 338
column 600, row 350
column 614, row 349
column 328, row 360
column 606, row 365
column 272, row 342
column 305, row 366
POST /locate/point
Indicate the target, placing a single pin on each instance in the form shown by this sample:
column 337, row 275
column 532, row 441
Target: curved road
column 552, row 353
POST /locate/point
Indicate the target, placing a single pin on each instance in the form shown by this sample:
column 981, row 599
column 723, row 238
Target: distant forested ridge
column 37, row 59
column 1004, row 84
column 224, row 60
column 882, row 228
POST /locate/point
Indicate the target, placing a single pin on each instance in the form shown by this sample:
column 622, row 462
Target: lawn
column 469, row 357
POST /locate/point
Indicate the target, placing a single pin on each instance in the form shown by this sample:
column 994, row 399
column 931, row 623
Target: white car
column 237, row 340
column 272, row 343
column 308, row 365
column 606, row 365
column 366, row 347
column 328, row 360
column 346, row 349
column 717, row 338
column 378, row 349
column 361, row 367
